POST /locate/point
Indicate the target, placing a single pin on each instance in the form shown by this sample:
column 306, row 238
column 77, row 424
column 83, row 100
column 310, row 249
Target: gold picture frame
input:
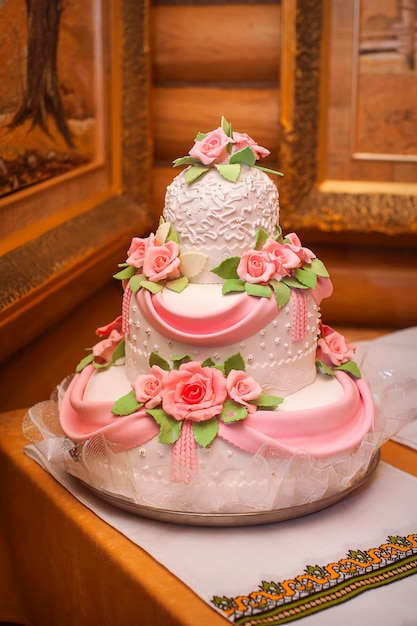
column 62, row 238
column 313, row 200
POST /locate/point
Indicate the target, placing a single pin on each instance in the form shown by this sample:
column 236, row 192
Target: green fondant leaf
column 226, row 126
column 229, row 171
column 246, row 156
column 102, row 366
column 126, row 404
column 278, row 233
column 261, row 237
column 84, row 362
column 233, row 412
column 126, row 273
column 233, row 284
column 173, row 236
column 262, row 291
column 227, row 268
column 350, row 367
column 208, row 363
column 194, row 172
column 268, row 171
column 234, row 362
column 192, row 263
column 162, row 233
column 152, row 287
column 119, row 352
column 205, row 432
column 282, row 292
column 135, row 283
column 155, row 359
column 170, row 428
column 179, row 359
column 325, row 369
column 178, row 285
column 319, row 268
column 200, row 136
column 293, row 283
column 268, row 402
column 306, row 277
column 186, row 160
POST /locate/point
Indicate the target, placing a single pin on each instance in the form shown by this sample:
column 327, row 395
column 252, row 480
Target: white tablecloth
column 232, row 562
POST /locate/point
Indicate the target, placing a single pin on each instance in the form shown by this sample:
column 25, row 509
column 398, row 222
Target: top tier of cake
column 218, row 217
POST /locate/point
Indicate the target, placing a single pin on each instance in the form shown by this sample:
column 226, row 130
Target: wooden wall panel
column 177, row 118
column 216, row 43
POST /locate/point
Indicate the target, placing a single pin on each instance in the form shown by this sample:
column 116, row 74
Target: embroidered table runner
column 339, row 559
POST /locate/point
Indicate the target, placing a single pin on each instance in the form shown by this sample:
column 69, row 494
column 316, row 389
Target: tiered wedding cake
column 219, row 389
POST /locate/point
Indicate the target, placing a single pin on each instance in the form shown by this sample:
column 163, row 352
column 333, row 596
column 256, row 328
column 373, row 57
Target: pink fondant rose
column 242, row 388
column 116, row 324
column 137, row 250
column 242, row 140
column 284, row 258
column 193, row 392
column 334, row 346
column 103, row 350
column 147, row 387
column 255, row 267
column 162, row 262
column 212, row 148
column 305, row 254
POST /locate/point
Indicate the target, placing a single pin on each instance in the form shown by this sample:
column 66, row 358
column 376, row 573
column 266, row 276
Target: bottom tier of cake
column 272, row 460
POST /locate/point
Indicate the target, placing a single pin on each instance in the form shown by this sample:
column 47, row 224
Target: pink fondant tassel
column 184, row 455
column 299, row 326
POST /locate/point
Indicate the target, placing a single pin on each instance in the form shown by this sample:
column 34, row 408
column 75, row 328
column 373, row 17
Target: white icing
column 325, row 390
column 199, row 301
column 107, row 385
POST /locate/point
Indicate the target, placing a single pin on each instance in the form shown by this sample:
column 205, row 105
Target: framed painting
column 74, row 152
column 51, row 93
column 349, row 144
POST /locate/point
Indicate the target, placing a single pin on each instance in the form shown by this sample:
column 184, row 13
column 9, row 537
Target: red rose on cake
column 242, row 140
column 193, row 392
column 162, row 262
column 243, row 388
column 284, row 258
column 148, row 387
column 255, row 267
column 103, row 350
column 334, row 346
column 104, row 331
column 305, row 254
column 212, row 148
column 137, row 250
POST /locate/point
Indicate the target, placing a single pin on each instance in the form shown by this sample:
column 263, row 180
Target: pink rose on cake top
column 219, row 375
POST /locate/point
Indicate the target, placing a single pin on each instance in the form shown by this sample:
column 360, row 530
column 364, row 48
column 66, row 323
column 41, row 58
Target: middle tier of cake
column 278, row 346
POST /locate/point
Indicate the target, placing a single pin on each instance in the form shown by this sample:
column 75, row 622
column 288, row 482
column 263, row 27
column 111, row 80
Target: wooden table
column 62, row 565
